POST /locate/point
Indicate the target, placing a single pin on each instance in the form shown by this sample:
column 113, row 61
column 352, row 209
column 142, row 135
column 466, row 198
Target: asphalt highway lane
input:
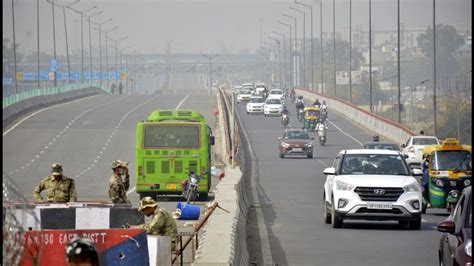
column 291, row 195
column 86, row 135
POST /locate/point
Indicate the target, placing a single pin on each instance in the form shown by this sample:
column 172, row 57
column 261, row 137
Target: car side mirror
column 405, row 156
column 447, row 227
column 403, row 145
column 416, row 172
column 330, row 171
column 212, row 140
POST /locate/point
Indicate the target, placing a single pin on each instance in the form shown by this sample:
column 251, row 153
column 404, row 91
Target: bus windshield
column 451, row 160
column 176, row 136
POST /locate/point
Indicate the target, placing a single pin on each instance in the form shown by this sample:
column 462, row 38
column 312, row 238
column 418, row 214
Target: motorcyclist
column 376, row 137
column 317, row 103
column 299, row 102
column 285, row 110
column 292, row 94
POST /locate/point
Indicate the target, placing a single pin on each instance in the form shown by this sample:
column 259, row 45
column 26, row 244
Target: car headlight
column 440, row 183
column 285, row 145
column 413, row 187
column 467, row 182
column 468, row 248
column 343, row 186
column 309, row 144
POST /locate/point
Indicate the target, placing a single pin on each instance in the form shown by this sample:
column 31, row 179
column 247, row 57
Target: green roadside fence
column 12, row 99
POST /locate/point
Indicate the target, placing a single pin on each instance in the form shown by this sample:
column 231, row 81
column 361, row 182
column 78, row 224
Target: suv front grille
column 369, row 193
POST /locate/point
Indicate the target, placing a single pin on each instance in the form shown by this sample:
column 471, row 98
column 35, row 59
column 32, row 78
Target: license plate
column 171, row 186
column 297, row 149
column 379, row 205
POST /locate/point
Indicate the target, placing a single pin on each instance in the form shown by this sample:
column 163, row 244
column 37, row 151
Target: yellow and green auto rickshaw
column 311, row 116
column 447, row 171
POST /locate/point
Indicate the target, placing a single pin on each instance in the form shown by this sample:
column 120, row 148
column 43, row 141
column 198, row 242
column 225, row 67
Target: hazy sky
column 213, row 25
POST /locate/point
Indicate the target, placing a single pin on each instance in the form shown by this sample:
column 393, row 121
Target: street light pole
column 279, row 58
column 38, row 40
column 398, row 63
column 284, row 55
column 304, row 45
column 67, row 46
column 54, row 44
column 90, row 42
column 296, row 76
column 100, row 46
column 290, row 51
column 334, row 44
column 350, row 51
column 434, row 69
column 370, row 54
column 107, row 55
column 321, row 42
column 312, row 46
column 14, row 49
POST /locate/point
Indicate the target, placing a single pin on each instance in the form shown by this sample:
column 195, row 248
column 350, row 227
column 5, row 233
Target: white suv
column 256, row 104
column 365, row 184
column 276, row 94
column 413, row 149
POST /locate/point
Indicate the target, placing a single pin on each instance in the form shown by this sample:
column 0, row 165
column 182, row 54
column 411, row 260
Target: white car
column 275, row 94
column 272, row 107
column 413, row 148
column 244, row 95
column 260, row 89
column 255, row 105
column 378, row 185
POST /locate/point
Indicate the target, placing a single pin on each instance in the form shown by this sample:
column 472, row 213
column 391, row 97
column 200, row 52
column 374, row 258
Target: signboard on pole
column 53, row 65
column 124, row 75
column 7, row 81
column 75, row 75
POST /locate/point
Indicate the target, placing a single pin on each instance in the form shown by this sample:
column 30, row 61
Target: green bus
column 169, row 144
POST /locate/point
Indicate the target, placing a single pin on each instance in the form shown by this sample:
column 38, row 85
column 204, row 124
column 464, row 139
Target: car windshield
column 245, row 92
column 257, row 100
column 273, row 101
column 381, row 146
column 373, row 164
column 451, row 160
column 424, row 141
column 276, row 92
column 297, row 135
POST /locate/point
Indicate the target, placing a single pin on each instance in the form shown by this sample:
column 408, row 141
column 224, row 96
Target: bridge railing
column 375, row 123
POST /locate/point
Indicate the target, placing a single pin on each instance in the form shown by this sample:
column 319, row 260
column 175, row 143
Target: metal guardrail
column 13, row 99
column 227, row 108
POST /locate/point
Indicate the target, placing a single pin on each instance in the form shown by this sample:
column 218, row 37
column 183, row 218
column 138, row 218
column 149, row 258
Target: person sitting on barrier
column 118, row 187
column 59, row 188
column 161, row 224
column 81, row 251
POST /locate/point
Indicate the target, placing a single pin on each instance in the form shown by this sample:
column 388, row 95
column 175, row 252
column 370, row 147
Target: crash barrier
column 16, row 104
column 223, row 241
column 114, row 246
column 224, row 238
column 76, row 215
column 226, row 110
column 188, row 211
column 375, row 123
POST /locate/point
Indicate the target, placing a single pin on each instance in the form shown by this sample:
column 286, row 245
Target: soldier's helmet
column 82, row 250
column 56, row 169
column 147, row 202
column 118, row 163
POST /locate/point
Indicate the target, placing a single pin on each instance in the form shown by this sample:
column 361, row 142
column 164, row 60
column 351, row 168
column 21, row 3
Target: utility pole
column 434, row 69
column 398, row 63
column 334, row 44
column 312, row 45
column 370, row 55
column 38, row 40
column 14, row 49
column 304, row 45
column 350, row 51
column 321, row 42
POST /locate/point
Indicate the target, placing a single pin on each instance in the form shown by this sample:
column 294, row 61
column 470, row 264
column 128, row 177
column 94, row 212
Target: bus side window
column 211, row 140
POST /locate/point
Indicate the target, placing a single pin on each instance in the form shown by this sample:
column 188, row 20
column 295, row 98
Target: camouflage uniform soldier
column 118, row 187
column 59, row 188
column 161, row 224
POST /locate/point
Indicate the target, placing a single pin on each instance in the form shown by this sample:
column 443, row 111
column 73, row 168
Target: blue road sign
column 95, row 75
column 62, row 75
column 75, row 75
column 30, row 76
column 44, row 75
column 53, row 65
column 7, row 81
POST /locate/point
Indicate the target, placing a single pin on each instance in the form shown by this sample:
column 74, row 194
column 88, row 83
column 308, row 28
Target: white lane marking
column 177, row 107
column 39, row 111
column 343, row 132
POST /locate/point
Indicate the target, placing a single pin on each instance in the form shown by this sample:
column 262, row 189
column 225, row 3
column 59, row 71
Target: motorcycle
column 322, row 133
column 324, row 114
column 285, row 120
column 190, row 188
column 299, row 115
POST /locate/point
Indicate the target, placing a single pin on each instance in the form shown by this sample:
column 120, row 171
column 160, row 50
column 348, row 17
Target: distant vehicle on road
column 381, row 146
column 256, row 104
column 272, row 107
column 169, row 145
column 295, row 142
column 260, row 89
column 244, row 95
column 455, row 244
column 414, row 149
column 276, row 94
column 372, row 185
